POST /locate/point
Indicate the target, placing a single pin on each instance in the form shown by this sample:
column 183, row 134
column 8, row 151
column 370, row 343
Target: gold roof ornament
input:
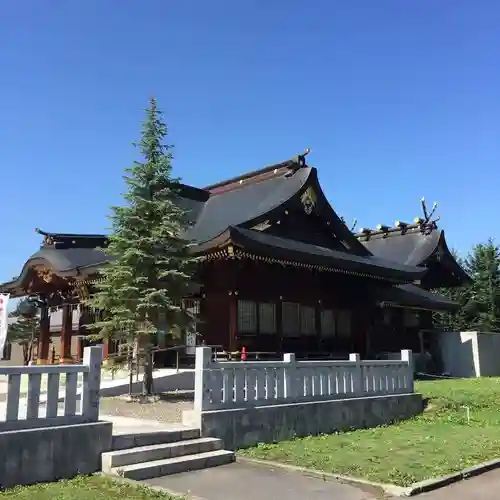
column 309, row 199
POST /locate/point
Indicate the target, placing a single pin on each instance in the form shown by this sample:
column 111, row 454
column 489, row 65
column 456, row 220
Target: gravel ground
column 167, row 409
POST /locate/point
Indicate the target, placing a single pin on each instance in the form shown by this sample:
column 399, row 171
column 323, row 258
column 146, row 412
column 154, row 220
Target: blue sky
column 397, row 99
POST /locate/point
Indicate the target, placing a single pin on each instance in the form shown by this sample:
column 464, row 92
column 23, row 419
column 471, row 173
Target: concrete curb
column 434, row 484
column 391, row 489
column 132, row 482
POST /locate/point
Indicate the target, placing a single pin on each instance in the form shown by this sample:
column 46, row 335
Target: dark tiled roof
column 66, row 260
column 411, row 248
column 245, row 203
column 418, row 246
column 414, row 296
column 224, row 209
column 287, row 249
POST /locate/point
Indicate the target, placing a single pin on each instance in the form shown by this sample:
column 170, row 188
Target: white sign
column 4, row 320
column 190, row 342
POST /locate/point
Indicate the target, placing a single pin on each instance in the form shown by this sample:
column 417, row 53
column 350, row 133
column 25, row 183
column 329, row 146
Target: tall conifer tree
column 483, row 265
column 150, row 266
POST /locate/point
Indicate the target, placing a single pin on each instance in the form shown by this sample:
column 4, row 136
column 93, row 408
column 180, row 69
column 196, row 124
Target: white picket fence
column 38, row 409
column 243, row 384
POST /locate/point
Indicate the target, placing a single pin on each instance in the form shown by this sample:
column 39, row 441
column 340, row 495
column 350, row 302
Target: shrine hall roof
column 225, row 213
column 412, row 245
column 415, row 244
column 283, row 250
column 414, row 296
column 245, row 202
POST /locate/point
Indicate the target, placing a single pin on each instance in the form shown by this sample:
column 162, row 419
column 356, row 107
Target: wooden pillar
column 106, row 343
column 233, row 321
column 44, row 337
column 66, row 333
column 279, row 323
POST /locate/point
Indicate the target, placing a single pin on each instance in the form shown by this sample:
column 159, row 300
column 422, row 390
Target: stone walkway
column 168, row 409
column 127, row 425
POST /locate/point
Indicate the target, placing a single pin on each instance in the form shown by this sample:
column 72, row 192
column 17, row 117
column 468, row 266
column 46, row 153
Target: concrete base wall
column 267, row 424
column 50, row 453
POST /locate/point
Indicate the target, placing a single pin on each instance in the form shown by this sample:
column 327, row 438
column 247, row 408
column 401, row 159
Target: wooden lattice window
column 247, row 316
column 327, row 323
column 267, row 317
column 344, row 323
column 291, row 318
column 307, row 320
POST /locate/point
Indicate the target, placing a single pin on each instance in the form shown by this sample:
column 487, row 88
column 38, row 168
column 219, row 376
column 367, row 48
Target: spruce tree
column 479, row 302
column 460, row 319
column 150, row 266
column 483, row 265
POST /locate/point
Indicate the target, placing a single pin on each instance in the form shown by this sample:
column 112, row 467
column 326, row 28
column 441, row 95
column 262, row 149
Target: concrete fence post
column 357, row 378
column 291, row 389
column 202, row 379
column 407, row 357
column 92, row 357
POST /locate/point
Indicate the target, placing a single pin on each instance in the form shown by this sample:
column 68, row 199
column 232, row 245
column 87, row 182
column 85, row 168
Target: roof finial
column 424, row 209
column 298, row 162
column 301, row 159
column 427, row 215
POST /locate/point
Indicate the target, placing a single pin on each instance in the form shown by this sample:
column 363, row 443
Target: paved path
column 127, row 425
column 246, row 481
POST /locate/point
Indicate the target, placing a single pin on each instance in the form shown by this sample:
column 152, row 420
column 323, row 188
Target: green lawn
column 438, row 442
column 84, row 488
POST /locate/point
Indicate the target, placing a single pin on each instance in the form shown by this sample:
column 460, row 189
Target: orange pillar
column 106, row 343
column 44, row 336
column 66, row 332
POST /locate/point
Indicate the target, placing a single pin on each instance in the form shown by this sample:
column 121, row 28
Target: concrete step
column 168, row 466
column 154, row 452
column 126, row 441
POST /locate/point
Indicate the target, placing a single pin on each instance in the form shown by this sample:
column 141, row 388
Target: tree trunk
column 26, row 354
column 147, row 380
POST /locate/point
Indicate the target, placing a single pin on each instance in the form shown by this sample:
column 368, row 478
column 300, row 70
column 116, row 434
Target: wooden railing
column 242, row 384
column 39, row 408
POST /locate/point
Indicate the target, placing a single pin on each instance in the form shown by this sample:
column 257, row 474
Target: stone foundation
column 241, row 428
column 46, row 454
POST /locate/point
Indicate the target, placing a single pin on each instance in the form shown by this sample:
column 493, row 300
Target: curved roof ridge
column 293, row 163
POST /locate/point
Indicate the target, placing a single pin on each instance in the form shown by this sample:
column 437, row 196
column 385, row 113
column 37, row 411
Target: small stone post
column 291, row 390
column 406, row 356
column 203, row 360
column 357, row 378
column 92, row 357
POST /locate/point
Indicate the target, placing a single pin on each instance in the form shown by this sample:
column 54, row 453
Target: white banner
column 4, row 321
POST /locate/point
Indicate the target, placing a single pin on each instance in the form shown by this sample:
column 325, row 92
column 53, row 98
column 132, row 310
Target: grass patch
column 440, row 441
column 85, row 488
